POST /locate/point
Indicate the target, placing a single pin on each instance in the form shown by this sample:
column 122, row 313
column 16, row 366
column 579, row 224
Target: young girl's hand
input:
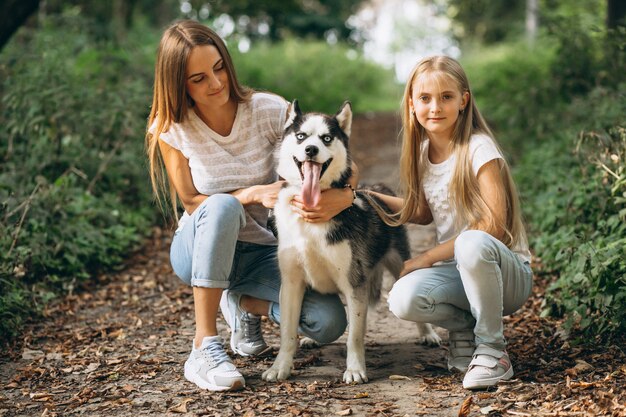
column 333, row 202
column 413, row 264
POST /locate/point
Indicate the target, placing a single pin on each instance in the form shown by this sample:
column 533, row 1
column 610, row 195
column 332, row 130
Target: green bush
column 577, row 209
column 320, row 76
column 514, row 91
column 74, row 196
column 558, row 109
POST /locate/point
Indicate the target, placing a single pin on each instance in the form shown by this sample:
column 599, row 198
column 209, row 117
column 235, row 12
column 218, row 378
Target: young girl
column 454, row 174
column 215, row 139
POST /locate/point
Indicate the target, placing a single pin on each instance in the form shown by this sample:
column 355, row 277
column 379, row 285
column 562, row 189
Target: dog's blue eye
column 327, row 138
column 300, row 136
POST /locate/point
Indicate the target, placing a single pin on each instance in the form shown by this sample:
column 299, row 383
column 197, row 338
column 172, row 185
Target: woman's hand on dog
column 266, row 195
column 333, row 202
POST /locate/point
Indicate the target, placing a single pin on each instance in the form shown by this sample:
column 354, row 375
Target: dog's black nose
column 311, row 150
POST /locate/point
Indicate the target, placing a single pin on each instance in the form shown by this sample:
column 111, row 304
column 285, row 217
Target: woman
column 215, row 139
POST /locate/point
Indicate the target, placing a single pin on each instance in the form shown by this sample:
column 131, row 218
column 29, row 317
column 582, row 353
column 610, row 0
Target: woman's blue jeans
column 485, row 282
column 205, row 253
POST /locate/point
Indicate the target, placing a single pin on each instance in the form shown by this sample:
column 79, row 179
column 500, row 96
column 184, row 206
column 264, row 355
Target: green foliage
column 320, row 76
column 486, row 21
column 578, row 211
column 74, row 196
column 558, row 109
column 282, row 18
column 510, row 83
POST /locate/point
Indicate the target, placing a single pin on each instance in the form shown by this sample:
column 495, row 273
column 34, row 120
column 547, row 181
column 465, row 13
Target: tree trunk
column 616, row 14
column 532, row 20
column 13, row 14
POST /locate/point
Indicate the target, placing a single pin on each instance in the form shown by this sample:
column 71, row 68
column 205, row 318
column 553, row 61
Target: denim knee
column 408, row 301
column 211, row 234
column 474, row 247
column 325, row 323
column 225, row 207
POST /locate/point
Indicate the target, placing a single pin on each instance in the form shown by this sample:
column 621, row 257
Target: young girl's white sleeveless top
column 436, row 183
column 222, row 164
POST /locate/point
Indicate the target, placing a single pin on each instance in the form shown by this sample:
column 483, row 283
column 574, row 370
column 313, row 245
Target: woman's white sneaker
column 488, row 367
column 246, row 337
column 210, row 367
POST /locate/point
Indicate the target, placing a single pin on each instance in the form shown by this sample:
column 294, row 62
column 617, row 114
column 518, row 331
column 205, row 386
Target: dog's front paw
column 431, row 339
column 355, row 376
column 277, row 372
column 308, row 343
column 427, row 335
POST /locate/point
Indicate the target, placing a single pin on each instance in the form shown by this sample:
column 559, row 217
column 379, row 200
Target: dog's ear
column 293, row 111
column 344, row 117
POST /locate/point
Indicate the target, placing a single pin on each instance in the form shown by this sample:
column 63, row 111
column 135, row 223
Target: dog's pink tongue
column 311, row 185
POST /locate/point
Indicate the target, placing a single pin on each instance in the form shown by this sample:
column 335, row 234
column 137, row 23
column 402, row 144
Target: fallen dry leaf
column 182, row 406
column 399, row 378
column 346, row 412
column 582, row 366
column 465, row 407
column 29, row 354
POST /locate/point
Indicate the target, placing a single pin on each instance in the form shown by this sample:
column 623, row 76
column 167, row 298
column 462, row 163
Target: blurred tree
column 277, row 19
column 616, row 14
column 273, row 19
column 532, row 20
column 490, row 21
column 112, row 19
column 13, row 14
column 487, row 21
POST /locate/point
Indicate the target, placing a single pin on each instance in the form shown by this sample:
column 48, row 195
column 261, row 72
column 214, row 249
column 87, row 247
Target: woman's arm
column 179, row 175
column 265, row 195
column 333, row 201
column 178, row 172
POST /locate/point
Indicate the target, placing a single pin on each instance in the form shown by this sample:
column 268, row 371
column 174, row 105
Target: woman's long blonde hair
column 467, row 201
column 170, row 102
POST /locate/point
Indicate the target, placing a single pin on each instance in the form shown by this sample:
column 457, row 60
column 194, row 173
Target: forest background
column 75, row 88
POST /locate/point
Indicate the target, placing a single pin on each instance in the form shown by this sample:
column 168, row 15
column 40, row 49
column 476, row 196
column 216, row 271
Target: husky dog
column 346, row 254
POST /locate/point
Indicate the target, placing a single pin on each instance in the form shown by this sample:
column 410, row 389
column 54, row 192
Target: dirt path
column 118, row 349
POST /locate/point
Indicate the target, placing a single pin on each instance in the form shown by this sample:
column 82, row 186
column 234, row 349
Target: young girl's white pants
column 483, row 283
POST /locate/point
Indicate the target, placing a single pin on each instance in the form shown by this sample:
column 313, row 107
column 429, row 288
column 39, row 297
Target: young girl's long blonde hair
column 170, row 102
column 469, row 205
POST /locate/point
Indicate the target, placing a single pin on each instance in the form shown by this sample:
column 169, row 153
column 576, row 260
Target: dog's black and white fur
column 346, row 254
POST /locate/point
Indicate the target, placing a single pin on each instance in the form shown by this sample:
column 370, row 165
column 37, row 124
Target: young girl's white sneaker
column 488, row 367
column 210, row 367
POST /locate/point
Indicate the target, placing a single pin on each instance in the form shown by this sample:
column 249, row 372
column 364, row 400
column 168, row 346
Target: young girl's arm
column 395, row 204
column 493, row 192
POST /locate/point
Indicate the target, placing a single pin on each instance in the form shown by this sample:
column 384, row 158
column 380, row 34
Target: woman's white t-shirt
column 222, row 164
column 436, row 183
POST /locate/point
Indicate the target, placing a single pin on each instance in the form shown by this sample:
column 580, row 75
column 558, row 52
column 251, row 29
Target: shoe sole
column 241, row 352
column 488, row 382
column 202, row 384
